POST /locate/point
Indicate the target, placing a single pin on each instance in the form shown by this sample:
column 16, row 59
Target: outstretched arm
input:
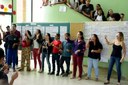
column 108, row 42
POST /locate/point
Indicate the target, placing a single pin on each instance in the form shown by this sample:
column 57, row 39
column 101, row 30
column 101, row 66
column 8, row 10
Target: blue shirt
column 67, row 45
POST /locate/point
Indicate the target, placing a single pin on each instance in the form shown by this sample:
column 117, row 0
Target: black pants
column 67, row 60
column 56, row 57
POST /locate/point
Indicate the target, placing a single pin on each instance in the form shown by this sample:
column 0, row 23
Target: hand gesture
column 15, row 75
column 105, row 36
column 121, row 61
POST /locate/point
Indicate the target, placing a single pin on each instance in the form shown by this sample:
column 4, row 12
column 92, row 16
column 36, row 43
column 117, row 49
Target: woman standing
column 26, row 43
column 78, row 54
column 117, row 56
column 36, row 45
column 46, row 51
column 95, row 48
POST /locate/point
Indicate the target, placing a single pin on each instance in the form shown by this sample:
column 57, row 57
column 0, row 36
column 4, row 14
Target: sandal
column 107, row 82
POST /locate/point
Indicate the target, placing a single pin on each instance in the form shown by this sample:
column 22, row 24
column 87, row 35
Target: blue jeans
column 47, row 56
column 114, row 60
column 93, row 63
column 11, row 57
column 17, row 56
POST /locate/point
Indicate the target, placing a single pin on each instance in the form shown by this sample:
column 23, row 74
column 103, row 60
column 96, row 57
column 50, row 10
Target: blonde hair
column 121, row 36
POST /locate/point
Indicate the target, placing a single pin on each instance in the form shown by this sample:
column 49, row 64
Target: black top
column 94, row 47
column 88, row 9
column 10, row 40
column 45, row 43
column 116, row 52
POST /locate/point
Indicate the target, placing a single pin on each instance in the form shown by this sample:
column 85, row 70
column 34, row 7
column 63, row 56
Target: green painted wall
column 52, row 14
column 14, row 8
column 118, row 6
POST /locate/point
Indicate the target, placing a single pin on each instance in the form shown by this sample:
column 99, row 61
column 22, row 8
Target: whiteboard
column 110, row 29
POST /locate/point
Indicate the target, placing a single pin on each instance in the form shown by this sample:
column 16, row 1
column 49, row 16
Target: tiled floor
column 35, row 78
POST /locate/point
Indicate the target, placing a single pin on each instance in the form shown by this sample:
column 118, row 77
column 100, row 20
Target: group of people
column 84, row 7
column 61, row 52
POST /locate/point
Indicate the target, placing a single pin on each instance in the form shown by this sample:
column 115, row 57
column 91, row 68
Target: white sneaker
column 17, row 67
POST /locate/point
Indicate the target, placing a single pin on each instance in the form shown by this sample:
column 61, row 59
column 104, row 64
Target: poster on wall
column 41, row 28
column 109, row 29
column 5, row 5
column 63, row 30
column 24, row 28
column 49, row 29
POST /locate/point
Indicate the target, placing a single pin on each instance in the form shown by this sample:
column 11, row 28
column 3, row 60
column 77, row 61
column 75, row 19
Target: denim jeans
column 17, row 56
column 114, row 60
column 11, row 57
column 47, row 56
column 93, row 63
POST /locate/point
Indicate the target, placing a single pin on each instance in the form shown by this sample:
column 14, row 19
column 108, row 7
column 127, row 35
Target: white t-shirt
column 99, row 18
column 110, row 19
column 73, row 3
column 35, row 44
column 96, row 13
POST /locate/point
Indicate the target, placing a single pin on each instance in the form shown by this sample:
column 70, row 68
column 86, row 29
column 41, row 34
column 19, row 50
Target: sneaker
column 118, row 83
column 57, row 74
column 17, row 67
column 96, row 79
column 87, row 78
column 52, row 73
column 107, row 82
column 20, row 69
column 62, row 73
column 40, row 71
column 65, row 75
column 14, row 70
column 28, row 69
column 48, row 73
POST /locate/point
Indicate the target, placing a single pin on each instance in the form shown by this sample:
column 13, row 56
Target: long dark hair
column 97, row 39
column 50, row 39
column 121, row 35
column 82, row 35
column 101, row 9
column 40, row 35
column 40, row 38
column 84, row 2
column 29, row 33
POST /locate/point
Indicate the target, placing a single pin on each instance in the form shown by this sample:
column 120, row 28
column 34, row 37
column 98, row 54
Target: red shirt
column 56, row 44
column 25, row 44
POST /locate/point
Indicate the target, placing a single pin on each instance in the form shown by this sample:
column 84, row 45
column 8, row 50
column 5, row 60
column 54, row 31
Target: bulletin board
column 110, row 29
column 51, row 28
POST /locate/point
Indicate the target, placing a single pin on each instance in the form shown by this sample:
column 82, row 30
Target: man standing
column 12, row 41
column 17, row 34
column 66, row 54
